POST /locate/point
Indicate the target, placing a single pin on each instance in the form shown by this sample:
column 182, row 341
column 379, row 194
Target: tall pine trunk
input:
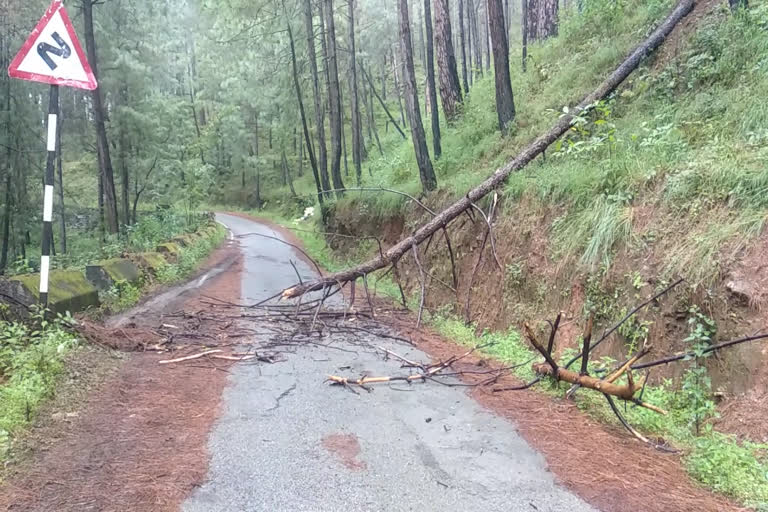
column 505, row 102
column 463, row 42
column 431, row 88
column 334, row 99
column 542, row 19
column 478, row 66
column 426, row 172
column 357, row 129
column 487, row 38
column 105, row 161
column 525, row 34
column 322, row 149
column 304, row 123
column 450, row 87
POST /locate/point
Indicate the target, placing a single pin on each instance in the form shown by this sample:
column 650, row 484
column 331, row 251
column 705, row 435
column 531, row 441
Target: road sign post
column 52, row 55
column 48, row 182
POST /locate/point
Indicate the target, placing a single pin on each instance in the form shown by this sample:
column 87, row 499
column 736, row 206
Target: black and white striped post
column 45, row 258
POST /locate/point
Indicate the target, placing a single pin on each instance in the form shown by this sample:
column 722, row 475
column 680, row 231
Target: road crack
column 281, row 397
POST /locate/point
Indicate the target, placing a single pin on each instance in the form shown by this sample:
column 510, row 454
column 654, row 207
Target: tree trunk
column 497, row 179
column 258, row 161
column 542, row 19
column 426, row 172
column 398, row 89
column 487, row 38
column 525, row 34
column 334, row 98
column 431, row 86
column 287, row 173
column 304, row 124
column 123, row 159
column 463, row 47
column 357, row 129
column 322, row 151
column 507, row 19
column 505, row 103
column 344, row 143
column 422, row 42
column 372, row 118
column 478, row 67
column 105, row 162
column 383, row 104
column 6, row 165
column 450, row 88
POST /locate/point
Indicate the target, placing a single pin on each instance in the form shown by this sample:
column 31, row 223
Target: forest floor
column 140, row 439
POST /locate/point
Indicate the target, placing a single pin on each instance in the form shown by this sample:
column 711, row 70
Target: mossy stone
column 150, row 262
column 105, row 274
column 68, row 290
column 170, row 251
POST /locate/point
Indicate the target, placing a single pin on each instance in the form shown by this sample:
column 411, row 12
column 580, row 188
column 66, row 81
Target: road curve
column 287, row 442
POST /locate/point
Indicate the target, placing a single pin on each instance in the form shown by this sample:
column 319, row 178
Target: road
column 287, row 441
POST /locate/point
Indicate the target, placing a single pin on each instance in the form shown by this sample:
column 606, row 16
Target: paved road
column 287, row 442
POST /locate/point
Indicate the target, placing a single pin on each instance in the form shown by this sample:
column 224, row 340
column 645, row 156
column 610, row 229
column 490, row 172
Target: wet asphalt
column 285, row 441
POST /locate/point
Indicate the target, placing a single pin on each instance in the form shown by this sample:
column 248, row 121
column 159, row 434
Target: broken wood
column 538, row 146
column 190, row 358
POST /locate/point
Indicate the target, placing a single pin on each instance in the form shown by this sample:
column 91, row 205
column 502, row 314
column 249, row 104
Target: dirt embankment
column 533, row 285
column 137, row 440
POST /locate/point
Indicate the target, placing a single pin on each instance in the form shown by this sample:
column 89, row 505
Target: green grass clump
column 31, row 360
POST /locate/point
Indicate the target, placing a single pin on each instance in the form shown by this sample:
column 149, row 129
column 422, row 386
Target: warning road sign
column 52, row 53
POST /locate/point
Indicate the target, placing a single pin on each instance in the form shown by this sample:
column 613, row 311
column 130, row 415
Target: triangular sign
column 53, row 55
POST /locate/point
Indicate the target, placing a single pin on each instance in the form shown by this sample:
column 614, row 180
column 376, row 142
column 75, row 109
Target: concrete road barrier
column 105, row 274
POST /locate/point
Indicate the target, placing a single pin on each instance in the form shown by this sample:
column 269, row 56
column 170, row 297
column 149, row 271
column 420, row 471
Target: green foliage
column 696, row 389
column 31, row 359
column 190, row 257
column 123, row 295
column 735, row 469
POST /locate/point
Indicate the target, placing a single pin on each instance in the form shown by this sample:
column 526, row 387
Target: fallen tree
column 537, row 147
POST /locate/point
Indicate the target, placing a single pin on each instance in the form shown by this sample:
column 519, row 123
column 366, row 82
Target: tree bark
column 431, row 86
column 426, row 172
column 372, row 116
column 398, row 89
column 322, row 149
column 123, row 162
column 542, row 19
column 487, row 38
column 450, row 87
column 357, row 129
column 463, row 48
column 105, row 162
column 422, row 42
column 334, row 98
column 478, row 66
column 304, row 124
column 382, row 103
column 505, row 102
column 287, row 173
column 6, row 165
column 525, row 34
column 535, row 148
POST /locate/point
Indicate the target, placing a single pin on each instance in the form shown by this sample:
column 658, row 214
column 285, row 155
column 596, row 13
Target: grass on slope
column 687, row 137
